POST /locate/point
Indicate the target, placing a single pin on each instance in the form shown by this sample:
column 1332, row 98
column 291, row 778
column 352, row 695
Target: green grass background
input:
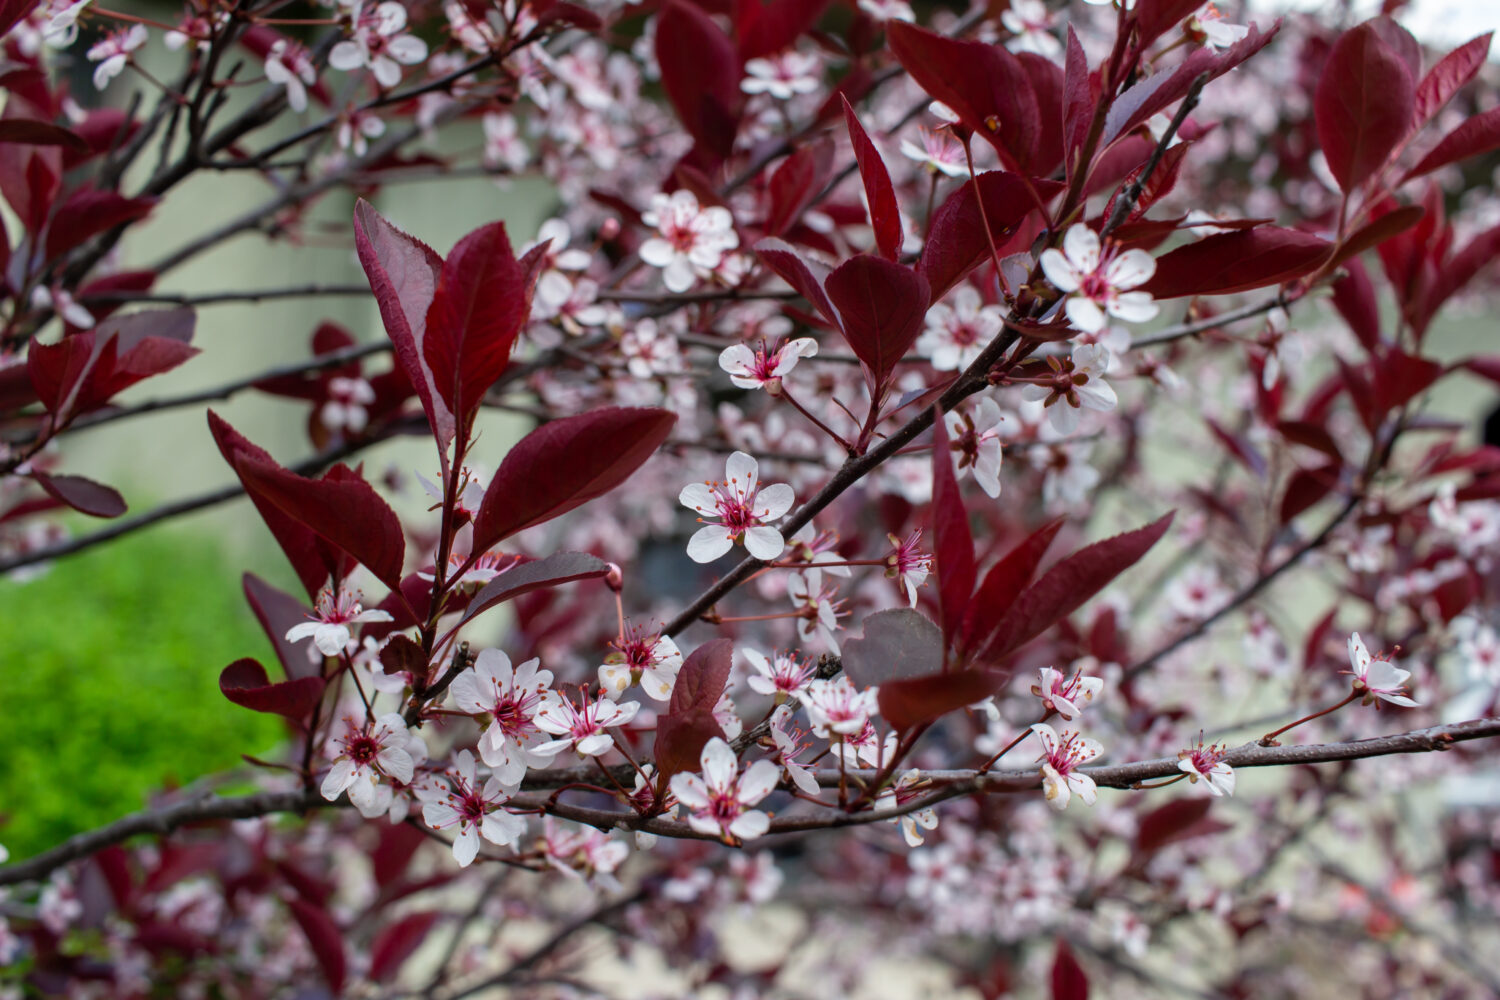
column 110, row 677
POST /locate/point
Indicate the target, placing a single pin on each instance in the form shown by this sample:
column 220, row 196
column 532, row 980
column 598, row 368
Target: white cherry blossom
column 719, row 802
column 957, row 334
column 584, row 726
column 369, row 751
column 690, row 239
column 329, row 628
column 1207, row 762
column 1061, row 756
column 974, row 437
column 512, row 742
column 379, row 42
column 1065, row 696
column 1376, row 677
column 652, row 661
column 762, row 369
column 289, row 65
column 474, row 810
column 112, row 52
column 743, row 509
column 1097, row 281
column 836, row 708
column 782, row 76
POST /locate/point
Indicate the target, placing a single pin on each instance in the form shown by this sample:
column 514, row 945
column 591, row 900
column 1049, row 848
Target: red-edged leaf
column 909, row 703
column 341, row 508
column 1173, row 821
column 1047, row 85
column 953, row 543
column 1157, row 186
column 984, row 84
column 244, row 682
column 30, row 132
column 882, row 305
column 1306, row 487
column 1363, row 104
column 83, row 495
column 885, row 214
column 1155, row 18
column 1078, row 103
column 1458, row 271
column 395, row 942
column 1354, row 298
column 326, row 939
column 1239, row 447
column 16, row 390
column 403, row 274
column 1386, row 226
column 86, row 213
column 1237, row 262
column 83, row 371
column 1476, row 135
column 1310, row 435
column 806, row 277
column 564, row 464
column 762, row 28
column 1005, row 581
column 700, row 71
column 956, row 239
column 795, row 183
column 689, row 720
column 310, row 557
column 1068, row 979
column 1447, row 77
column 553, row 571
column 1066, row 586
column 897, row 644
column 277, row 611
column 1401, row 377
column 483, row 298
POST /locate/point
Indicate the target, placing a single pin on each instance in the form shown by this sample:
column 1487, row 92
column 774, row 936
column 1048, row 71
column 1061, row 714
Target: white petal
column 466, row 846
column 758, row 781
column 748, row 826
column 299, row 632
column 736, row 359
column 1059, row 271
column 699, row 497
column 1081, row 244
column 774, row 501
column 690, row 790
column 593, row 746
column 762, row 543
column 346, row 55
column 439, row 815
column 719, row 765
column 502, row 828
column 1359, row 656
column 743, row 473
column 657, row 252
column 1131, row 268
column 711, row 541
column 338, row 779
column 1085, row 314
column 1133, row 307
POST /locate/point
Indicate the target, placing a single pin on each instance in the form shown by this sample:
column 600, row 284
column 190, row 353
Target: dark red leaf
column 1171, row 822
column 763, row 28
column 83, row 371
column 11, row 12
column 244, row 682
column 341, row 508
column 1447, row 77
column 1363, row 105
column 956, row 239
column 953, row 542
column 1157, row 186
column 553, row 571
column 897, row 644
column 277, row 611
column 16, row 390
column 326, row 939
column 806, row 277
column 885, row 214
column 689, row 720
column 985, row 85
column 1310, row 435
column 1068, row 979
column 83, row 495
column 1386, row 226
column 1354, row 298
column 395, row 942
column 403, row 274
column 1458, row 271
column 397, row 845
column 1400, row 377
column 1047, row 87
column 1239, row 447
column 86, row 213
column 560, row 12
column 700, row 71
column 564, row 464
column 30, row 132
column 1237, row 262
column 1306, row 487
column 483, row 298
column 919, row 700
column 1476, row 135
column 1155, row 18
column 795, row 183
column 1078, row 103
column 881, row 305
column 1066, row 586
column 1005, row 581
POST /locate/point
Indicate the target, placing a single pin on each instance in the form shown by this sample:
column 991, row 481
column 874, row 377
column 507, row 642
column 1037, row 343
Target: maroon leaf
column 806, row 277
column 83, row 371
column 689, row 720
column 956, row 239
column 906, row 704
column 87, row 213
column 277, row 611
column 953, row 543
column 1447, row 77
column 1066, row 586
column 39, row 133
column 326, row 939
column 341, row 508
column 1239, row 447
column 1306, row 487
column 1354, row 298
column 881, row 305
column 763, row 28
column 1363, row 105
column 700, row 71
column 1372, row 234
column 553, row 571
column 1458, row 271
column 83, row 495
column 1400, row 377
column 394, row 944
column 403, row 274
column 1155, row 18
column 1047, row 86
column 1237, row 262
column 985, row 85
column 564, row 464
column 402, row 654
column 483, row 298
column 885, row 214
column 1157, row 186
column 310, row 557
column 1177, row 820
column 897, row 644
column 1310, row 435
column 795, row 184
column 244, row 682
column 1078, row 103
column 1005, row 581
column 1068, row 979
column 11, row 12
column 1476, row 135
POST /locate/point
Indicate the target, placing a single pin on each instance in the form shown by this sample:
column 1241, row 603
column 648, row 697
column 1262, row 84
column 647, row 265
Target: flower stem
column 1269, row 740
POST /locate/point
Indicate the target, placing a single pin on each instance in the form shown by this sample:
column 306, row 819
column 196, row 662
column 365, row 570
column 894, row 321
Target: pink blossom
column 1377, row 678
column 689, row 239
column 1207, row 762
column 1031, row 24
column 1078, row 383
column 1209, row 27
column 333, row 616
column 837, row 709
column 582, row 726
column 650, row 661
column 347, row 400
column 1063, row 696
column 289, row 65
column 939, row 152
column 819, row 605
column 379, row 42
column 1061, row 756
column 718, row 803
column 908, row 564
column 581, row 852
column 911, row 785
column 743, row 509
column 782, row 76
column 512, row 741
column 475, row 811
column 782, row 675
column 957, row 334
column 762, row 369
column 974, row 438
column 369, row 751
column 112, row 52
column 1097, row 281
